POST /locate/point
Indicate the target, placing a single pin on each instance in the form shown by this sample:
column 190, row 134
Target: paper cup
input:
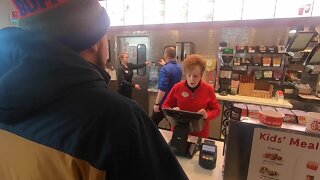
column 271, row 118
column 313, row 122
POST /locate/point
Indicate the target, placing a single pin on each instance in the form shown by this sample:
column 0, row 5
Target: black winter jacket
column 58, row 120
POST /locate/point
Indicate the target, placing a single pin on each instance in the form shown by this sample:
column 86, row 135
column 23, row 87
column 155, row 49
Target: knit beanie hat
column 78, row 24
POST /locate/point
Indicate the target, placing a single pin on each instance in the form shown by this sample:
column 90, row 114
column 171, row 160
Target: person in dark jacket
column 125, row 74
column 57, row 119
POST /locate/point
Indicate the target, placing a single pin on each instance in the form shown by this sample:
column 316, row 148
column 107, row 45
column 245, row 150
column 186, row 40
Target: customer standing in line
column 170, row 74
column 194, row 94
column 65, row 124
column 125, row 74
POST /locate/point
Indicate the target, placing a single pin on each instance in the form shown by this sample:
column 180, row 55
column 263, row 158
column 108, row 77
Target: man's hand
column 137, row 86
column 162, row 62
column 156, row 108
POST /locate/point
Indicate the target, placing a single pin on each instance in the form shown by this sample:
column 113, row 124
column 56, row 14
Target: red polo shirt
column 202, row 98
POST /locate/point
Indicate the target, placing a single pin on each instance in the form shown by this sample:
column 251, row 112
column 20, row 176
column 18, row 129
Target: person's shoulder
column 121, row 68
column 119, row 109
column 179, row 85
column 207, row 86
column 130, row 65
column 116, row 99
column 164, row 69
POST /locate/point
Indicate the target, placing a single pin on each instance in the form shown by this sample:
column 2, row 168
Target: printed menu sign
column 282, row 156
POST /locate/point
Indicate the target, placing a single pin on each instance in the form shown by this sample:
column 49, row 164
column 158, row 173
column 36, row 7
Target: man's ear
column 95, row 47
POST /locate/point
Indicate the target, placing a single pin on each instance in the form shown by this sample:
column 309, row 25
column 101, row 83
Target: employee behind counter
column 194, row 94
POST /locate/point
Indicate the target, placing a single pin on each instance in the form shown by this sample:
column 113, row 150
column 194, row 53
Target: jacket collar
column 187, row 86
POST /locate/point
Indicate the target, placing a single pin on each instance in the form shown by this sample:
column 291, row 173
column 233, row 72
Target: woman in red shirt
column 194, row 94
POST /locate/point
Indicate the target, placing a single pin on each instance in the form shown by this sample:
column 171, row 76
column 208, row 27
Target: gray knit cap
column 78, row 24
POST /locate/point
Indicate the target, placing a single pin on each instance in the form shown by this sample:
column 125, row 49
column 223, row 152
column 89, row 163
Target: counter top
column 152, row 90
column 255, row 100
column 285, row 125
column 250, row 100
column 191, row 166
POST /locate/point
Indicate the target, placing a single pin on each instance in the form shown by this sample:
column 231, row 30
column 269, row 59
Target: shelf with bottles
column 265, row 60
column 268, row 75
column 260, row 49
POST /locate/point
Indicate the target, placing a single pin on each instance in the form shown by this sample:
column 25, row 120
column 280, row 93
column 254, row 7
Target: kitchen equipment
column 184, row 49
column 184, row 122
column 317, row 93
column 179, row 51
column 187, row 49
column 225, row 80
column 153, row 76
column 208, row 155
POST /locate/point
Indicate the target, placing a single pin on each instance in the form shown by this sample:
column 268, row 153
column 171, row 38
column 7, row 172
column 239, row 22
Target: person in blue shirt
column 170, row 74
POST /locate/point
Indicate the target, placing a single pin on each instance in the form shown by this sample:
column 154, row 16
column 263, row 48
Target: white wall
column 5, row 10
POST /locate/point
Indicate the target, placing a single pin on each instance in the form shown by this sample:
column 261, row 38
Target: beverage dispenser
column 225, row 74
column 184, row 49
column 153, row 76
column 187, row 49
column 225, row 80
column 179, row 51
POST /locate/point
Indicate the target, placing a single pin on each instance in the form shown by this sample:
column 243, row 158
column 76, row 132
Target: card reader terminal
column 208, row 155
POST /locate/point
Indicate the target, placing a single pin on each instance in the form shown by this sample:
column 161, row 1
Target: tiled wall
column 206, row 41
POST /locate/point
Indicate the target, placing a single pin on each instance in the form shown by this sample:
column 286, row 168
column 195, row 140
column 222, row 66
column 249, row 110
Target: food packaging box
column 301, row 116
column 313, row 121
column 268, row 108
column 253, row 111
column 271, row 118
column 243, row 107
column 289, row 116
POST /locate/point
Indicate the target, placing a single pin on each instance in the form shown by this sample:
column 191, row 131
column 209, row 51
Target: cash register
column 184, row 122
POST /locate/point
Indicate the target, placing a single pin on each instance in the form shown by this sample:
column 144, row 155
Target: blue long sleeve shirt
column 170, row 74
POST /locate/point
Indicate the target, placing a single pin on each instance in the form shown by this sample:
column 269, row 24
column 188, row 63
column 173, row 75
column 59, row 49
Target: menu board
column 225, row 10
column 293, row 8
column 153, row 12
column 283, row 155
column 200, row 10
column 115, row 12
column 176, row 11
column 316, row 8
column 258, row 9
column 133, row 12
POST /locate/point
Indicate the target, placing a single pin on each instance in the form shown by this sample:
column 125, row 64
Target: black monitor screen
column 300, row 41
column 315, row 59
column 194, row 120
column 182, row 116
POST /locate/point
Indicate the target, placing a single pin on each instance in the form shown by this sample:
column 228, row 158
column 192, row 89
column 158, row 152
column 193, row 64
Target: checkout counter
column 200, row 158
column 192, row 167
column 218, row 126
column 255, row 151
